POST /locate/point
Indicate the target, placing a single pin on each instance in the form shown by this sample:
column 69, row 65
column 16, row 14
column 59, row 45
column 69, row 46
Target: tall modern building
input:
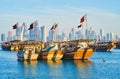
column 25, row 32
column 112, row 36
column 36, row 33
column 31, row 34
column 72, row 34
column 108, row 37
column 43, row 34
column 2, row 37
column 101, row 34
column 86, row 33
column 98, row 37
column 63, row 35
column 59, row 37
column 9, row 38
column 93, row 35
column 117, row 38
column 78, row 35
column 17, row 33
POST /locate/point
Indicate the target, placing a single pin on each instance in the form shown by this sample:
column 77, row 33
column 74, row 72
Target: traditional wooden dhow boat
column 51, row 52
column 27, row 54
column 77, row 49
column 118, row 45
column 105, row 46
column 11, row 45
column 6, row 46
column 15, row 45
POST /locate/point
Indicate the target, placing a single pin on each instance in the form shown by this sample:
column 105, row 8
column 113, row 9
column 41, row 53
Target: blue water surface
column 102, row 65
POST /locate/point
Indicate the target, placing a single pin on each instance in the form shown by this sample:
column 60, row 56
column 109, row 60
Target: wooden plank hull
column 32, row 57
column 57, row 55
column 103, row 49
column 79, row 54
column 14, row 48
column 51, row 55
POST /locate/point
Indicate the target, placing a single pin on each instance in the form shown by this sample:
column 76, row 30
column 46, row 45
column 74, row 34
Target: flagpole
column 87, row 27
column 88, row 33
column 86, row 19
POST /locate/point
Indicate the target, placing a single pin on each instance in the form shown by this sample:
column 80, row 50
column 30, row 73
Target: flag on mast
column 31, row 26
column 15, row 26
column 54, row 26
column 83, row 18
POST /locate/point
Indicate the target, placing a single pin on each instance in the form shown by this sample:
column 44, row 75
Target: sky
column 101, row 14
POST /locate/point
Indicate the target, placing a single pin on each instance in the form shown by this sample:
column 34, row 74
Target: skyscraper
column 108, row 37
column 18, row 33
column 3, row 37
column 86, row 33
column 63, row 35
column 43, row 33
column 50, row 36
column 9, row 38
column 25, row 32
column 101, row 34
column 93, row 35
column 72, row 34
column 36, row 32
column 31, row 34
column 112, row 36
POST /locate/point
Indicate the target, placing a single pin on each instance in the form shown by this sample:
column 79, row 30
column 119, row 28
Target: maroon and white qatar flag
column 31, row 26
column 83, row 19
column 15, row 26
column 54, row 26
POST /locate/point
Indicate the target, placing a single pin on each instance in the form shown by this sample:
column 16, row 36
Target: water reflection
column 56, row 69
column 83, row 68
column 73, row 68
column 32, row 63
column 28, row 68
column 82, row 64
column 53, row 63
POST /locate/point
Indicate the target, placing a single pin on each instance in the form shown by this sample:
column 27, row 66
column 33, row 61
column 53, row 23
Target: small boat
column 27, row 54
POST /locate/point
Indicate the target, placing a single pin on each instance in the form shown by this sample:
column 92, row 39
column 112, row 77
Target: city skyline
column 100, row 14
column 40, row 34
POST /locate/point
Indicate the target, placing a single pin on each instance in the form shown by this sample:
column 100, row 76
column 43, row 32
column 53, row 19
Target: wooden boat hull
column 105, row 46
column 103, row 49
column 51, row 55
column 14, row 48
column 32, row 57
column 118, row 45
column 57, row 55
column 6, row 48
column 79, row 54
column 27, row 55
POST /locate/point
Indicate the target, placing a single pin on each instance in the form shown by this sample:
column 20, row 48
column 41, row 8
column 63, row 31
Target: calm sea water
column 102, row 65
